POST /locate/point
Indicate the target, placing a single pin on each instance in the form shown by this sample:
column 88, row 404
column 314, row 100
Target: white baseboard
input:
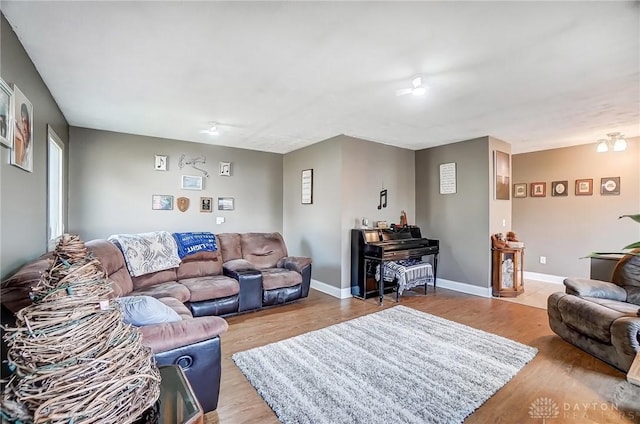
column 441, row 283
column 464, row 287
column 331, row 290
column 547, row 278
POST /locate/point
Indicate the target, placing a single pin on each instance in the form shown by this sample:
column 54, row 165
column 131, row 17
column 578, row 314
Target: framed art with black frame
column 559, row 188
column 307, row 187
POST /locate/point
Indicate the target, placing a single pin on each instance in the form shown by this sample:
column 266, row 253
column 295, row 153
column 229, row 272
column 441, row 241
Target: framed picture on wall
column 206, row 204
column 610, row 186
column 22, row 152
column 501, row 175
column 6, row 115
column 307, row 187
column 538, row 189
column 225, row 203
column 160, row 163
column 190, row 182
column 520, row 190
column 584, row 187
column 162, row 202
column 560, row 188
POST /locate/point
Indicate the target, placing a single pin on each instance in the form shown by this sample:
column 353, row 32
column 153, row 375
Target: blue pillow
column 146, row 310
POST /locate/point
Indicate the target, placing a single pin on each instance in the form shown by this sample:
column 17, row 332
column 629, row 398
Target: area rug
column 398, row 365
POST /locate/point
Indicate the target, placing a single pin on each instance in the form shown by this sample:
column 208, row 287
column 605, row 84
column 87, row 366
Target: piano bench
column 407, row 275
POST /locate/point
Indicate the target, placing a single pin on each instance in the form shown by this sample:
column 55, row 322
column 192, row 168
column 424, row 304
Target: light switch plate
column 219, row 219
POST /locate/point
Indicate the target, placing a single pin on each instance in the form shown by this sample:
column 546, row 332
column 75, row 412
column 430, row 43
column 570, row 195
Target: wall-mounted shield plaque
column 183, row 203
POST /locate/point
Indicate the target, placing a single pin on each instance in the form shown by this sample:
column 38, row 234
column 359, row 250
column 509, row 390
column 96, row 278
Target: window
column 55, row 188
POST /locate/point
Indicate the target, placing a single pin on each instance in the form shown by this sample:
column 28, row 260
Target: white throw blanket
column 147, row 252
column 408, row 276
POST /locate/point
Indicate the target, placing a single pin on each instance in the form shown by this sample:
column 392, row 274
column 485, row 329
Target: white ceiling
column 279, row 76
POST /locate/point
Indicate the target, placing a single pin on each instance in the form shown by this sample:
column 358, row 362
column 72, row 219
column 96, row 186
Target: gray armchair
column 602, row 318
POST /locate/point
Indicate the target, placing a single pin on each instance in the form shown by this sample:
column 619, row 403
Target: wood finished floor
column 581, row 386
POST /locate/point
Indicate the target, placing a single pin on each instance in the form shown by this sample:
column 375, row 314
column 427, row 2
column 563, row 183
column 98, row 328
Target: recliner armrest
column 293, row 263
column 595, row 288
column 164, row 337
column 201, row 363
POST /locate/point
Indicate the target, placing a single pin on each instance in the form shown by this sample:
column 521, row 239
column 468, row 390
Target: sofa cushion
column 275, row 278
column 229, row 245
column 263, row 249
column 198, row 268
column 154, row 278
column 236, row 265
column 168, row 289
column 628, row 309
column 202, row 256
column 588, row 317
column 146, row 310
column 112, row 262
column 177, row 306
column 211, row 287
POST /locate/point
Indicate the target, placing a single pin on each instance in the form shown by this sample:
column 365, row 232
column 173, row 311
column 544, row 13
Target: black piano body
column 371, row 247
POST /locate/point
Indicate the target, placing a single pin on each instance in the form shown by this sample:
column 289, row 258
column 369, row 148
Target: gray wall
column 112, row 179
column 313, row 230
column 565, row 229
column 23, row 195
column 461, row 220
column 348, row 176
column 367, row 168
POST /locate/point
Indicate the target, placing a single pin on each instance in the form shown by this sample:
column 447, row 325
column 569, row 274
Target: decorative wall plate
column 183, row 203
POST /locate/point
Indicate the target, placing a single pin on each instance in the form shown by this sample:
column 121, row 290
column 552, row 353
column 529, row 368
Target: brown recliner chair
column 602, row 318
column 280, row 278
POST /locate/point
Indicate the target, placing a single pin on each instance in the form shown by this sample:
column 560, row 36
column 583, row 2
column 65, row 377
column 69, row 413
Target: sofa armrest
column 202, row 365
column 164, row 337
column 236, row 265
column 293, row 263
column 595, row 288
column 625, row 337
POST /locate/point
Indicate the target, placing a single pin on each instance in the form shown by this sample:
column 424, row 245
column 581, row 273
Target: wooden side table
column 178, row 404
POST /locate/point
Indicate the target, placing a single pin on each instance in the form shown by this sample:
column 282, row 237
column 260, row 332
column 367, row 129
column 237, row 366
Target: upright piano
column 371, row 247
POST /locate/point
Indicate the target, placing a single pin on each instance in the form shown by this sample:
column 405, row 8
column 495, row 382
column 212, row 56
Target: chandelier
column 615, row 141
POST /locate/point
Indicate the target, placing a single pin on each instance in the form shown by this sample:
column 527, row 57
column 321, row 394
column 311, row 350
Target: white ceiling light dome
column 418, row 89
column 213, row 130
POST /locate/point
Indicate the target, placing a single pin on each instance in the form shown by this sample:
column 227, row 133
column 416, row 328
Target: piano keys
column 371, row 247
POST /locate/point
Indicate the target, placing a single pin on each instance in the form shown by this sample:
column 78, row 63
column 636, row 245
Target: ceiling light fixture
column 417, row 90
column 213, row 130
column 615, row 141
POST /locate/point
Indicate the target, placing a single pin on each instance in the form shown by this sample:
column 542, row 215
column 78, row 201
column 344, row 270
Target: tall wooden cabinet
column 507, row 271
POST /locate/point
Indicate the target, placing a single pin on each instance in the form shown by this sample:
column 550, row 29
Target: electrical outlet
column 543, row 259
column 504, row 222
